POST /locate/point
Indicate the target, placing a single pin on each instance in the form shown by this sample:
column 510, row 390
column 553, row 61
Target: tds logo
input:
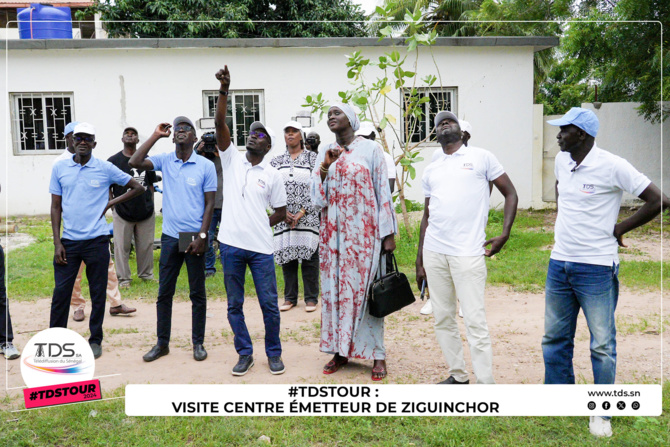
column 55, row 350
column 261, row 183
column 468, row 166
column 588, row 188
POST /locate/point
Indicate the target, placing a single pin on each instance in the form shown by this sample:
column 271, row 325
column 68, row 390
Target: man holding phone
column 189, row 189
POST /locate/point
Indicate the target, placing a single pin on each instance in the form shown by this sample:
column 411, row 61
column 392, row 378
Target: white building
column 114, row 83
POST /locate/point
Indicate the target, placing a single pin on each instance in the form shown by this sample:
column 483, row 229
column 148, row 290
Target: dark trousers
column 262, row 266
column 210, row 258
column 6, row 334
column 95, row 254
column 170, row 266
column 310, row 279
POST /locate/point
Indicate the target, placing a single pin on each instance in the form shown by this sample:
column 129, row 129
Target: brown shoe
column 310, row 306
column 286, row 306
column 121, row 310
column 79, row 315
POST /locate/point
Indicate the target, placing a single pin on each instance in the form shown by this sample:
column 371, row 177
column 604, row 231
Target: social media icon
column 592, row 405
column 606, row 405
column 621, row 405
column 635, row 405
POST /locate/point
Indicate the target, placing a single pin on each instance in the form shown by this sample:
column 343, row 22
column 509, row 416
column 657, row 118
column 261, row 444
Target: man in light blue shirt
column 80, row 198
column 189, row 190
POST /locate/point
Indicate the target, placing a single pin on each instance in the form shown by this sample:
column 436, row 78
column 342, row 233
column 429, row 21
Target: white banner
column 393, row 400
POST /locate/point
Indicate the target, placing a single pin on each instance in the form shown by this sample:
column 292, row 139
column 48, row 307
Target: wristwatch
column 203, row 235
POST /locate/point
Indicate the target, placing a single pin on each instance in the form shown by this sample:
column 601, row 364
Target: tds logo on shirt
column 190, row 181
column 95, row 183
column 261, row 183
column 588, row 188
column 468, row 166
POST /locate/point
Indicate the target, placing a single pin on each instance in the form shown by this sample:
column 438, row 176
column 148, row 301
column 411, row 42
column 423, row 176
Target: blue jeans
column 595, row 289
column 210, row 257
column 235, row 261
column 169, row 268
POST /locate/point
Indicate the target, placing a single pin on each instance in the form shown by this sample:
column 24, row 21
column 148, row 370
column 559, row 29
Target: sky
column 368, row 5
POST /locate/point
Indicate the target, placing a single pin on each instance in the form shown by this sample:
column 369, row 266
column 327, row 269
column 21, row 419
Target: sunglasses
column 186, row 128
column 86, row 139
column 259, row 135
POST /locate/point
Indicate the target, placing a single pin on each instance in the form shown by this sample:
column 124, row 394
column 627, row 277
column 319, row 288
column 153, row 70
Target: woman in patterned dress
column 297, row 239
column 357, row 223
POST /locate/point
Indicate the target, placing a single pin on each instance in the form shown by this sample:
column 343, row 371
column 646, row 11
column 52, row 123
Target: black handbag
column 390, row 292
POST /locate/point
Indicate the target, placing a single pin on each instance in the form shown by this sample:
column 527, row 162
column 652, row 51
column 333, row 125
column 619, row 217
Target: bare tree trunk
column 403, row 207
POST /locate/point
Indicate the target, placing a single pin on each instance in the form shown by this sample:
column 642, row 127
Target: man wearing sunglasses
column 80, row 197
column 189, row 190
column 245, row 234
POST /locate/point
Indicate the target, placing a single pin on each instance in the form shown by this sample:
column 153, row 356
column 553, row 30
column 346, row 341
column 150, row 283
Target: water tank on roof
column 44, row 22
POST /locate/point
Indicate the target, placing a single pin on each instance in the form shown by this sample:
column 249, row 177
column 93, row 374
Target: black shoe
column 276, row 365
column 199, row 352
column 209, row 274
column 156, row 353
column 243, row 366
column 97, row 350
column 452, row 381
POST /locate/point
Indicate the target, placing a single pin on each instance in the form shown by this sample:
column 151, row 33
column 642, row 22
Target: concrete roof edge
column 537, row 42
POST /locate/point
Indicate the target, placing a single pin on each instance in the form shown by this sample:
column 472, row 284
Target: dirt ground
column 413, row 356
column 515, row 321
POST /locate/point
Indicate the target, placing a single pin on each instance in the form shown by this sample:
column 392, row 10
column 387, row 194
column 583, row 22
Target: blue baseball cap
column 583, row 118
column 70, row 127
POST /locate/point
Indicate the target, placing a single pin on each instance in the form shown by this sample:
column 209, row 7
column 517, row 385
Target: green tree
column 230, row 18
column 446, row 17
column 624, row 57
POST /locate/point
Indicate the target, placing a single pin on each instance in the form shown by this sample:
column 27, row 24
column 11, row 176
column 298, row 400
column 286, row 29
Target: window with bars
column 244, row 107
column 438, row 99
column 38, row 121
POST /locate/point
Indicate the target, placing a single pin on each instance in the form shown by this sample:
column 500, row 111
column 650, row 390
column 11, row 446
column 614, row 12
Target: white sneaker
column 427, row 308
column 600, row 427
column 10, row 351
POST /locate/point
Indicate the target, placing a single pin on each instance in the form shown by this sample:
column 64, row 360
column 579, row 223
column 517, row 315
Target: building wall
column 114, row 88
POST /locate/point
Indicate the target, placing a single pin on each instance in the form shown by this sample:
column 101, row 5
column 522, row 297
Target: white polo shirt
column 458, row 188
column 247, row 191
column 588, row 205
column 390, row 165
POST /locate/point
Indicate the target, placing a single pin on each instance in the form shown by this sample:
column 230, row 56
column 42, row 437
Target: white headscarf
column 349, row 112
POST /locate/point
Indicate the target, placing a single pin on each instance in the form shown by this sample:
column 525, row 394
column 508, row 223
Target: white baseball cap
column 465, row 126
column 293, row 124
column 366, row 129
column 84, row 128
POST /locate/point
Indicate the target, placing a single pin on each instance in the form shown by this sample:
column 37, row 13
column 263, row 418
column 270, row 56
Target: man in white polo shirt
column 584, row 265
column 452, row 245
column 245, row 234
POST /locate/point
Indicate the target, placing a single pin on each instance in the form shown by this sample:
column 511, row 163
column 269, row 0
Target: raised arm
column 139, row 158
column 222, row 130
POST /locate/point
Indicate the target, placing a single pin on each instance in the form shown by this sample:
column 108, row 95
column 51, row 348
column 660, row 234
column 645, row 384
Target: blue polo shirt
column 85, row 194
column 184, row 188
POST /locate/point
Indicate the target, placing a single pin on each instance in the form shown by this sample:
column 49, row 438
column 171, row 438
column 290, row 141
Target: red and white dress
column 356, row 214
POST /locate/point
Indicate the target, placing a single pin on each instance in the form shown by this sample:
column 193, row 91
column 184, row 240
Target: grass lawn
column 521, row 265
column 76, row 425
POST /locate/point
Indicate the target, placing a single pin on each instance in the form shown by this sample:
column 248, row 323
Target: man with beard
column 452, row 245
column 250, row 183
column 189, row 185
